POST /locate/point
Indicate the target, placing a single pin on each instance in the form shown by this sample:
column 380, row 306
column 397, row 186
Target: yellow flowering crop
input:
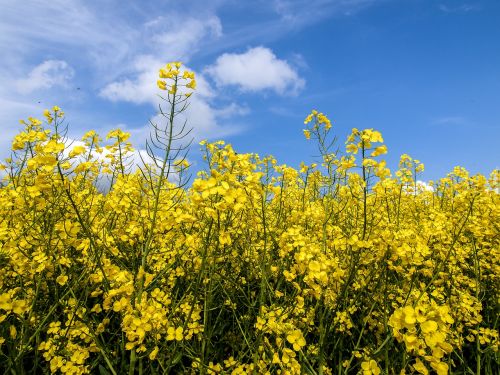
column 338, row 266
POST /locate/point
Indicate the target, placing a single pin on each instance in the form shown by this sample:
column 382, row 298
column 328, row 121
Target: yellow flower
column 420, row 367
column 179, row 333
column 409, row 315
column 54, row 147
column 121, row 304
column 435, row 338
column 160, row 259
column 374, row 136
column 48, row 116
column 379, row 151
column 163, row 73
column 77, row 150
column 17, row 145
column 296, row 339
column 192, row 84
column 120, row 135
column 428, row 326
column 5, row 302
column 315, row 266
column 370, row 367
column 62, row 279
column 161, row 84
column 154, row 353
column 352, row 148
column 441, row 368
column 175, row 333
column 12, row 332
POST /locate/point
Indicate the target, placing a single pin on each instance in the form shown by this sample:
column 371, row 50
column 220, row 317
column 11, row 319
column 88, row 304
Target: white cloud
column 255, row 70
column 48, row 74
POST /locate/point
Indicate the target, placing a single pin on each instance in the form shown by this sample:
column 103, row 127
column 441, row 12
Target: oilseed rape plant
column 341, row 266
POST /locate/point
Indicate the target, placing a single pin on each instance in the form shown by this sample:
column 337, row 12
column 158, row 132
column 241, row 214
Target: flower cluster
column 319, row 121
column 425, row 331
column 171, row 79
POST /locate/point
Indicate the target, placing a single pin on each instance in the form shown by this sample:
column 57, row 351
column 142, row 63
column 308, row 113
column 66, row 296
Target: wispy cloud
column 63, row 27
column 301, row 12
column 459, row 8
column 449, row 120
column 119, row 55
column 282, row 17
column 284, row 111
column 231, row 110
column 114, row 48
column 180, row 37
column 49, row 45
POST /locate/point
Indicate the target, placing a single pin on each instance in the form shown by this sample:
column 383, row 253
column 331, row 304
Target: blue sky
column 426, row 73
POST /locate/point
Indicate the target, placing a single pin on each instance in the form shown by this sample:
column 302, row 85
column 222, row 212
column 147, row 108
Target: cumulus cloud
column 255, row 70
column 48, row 74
